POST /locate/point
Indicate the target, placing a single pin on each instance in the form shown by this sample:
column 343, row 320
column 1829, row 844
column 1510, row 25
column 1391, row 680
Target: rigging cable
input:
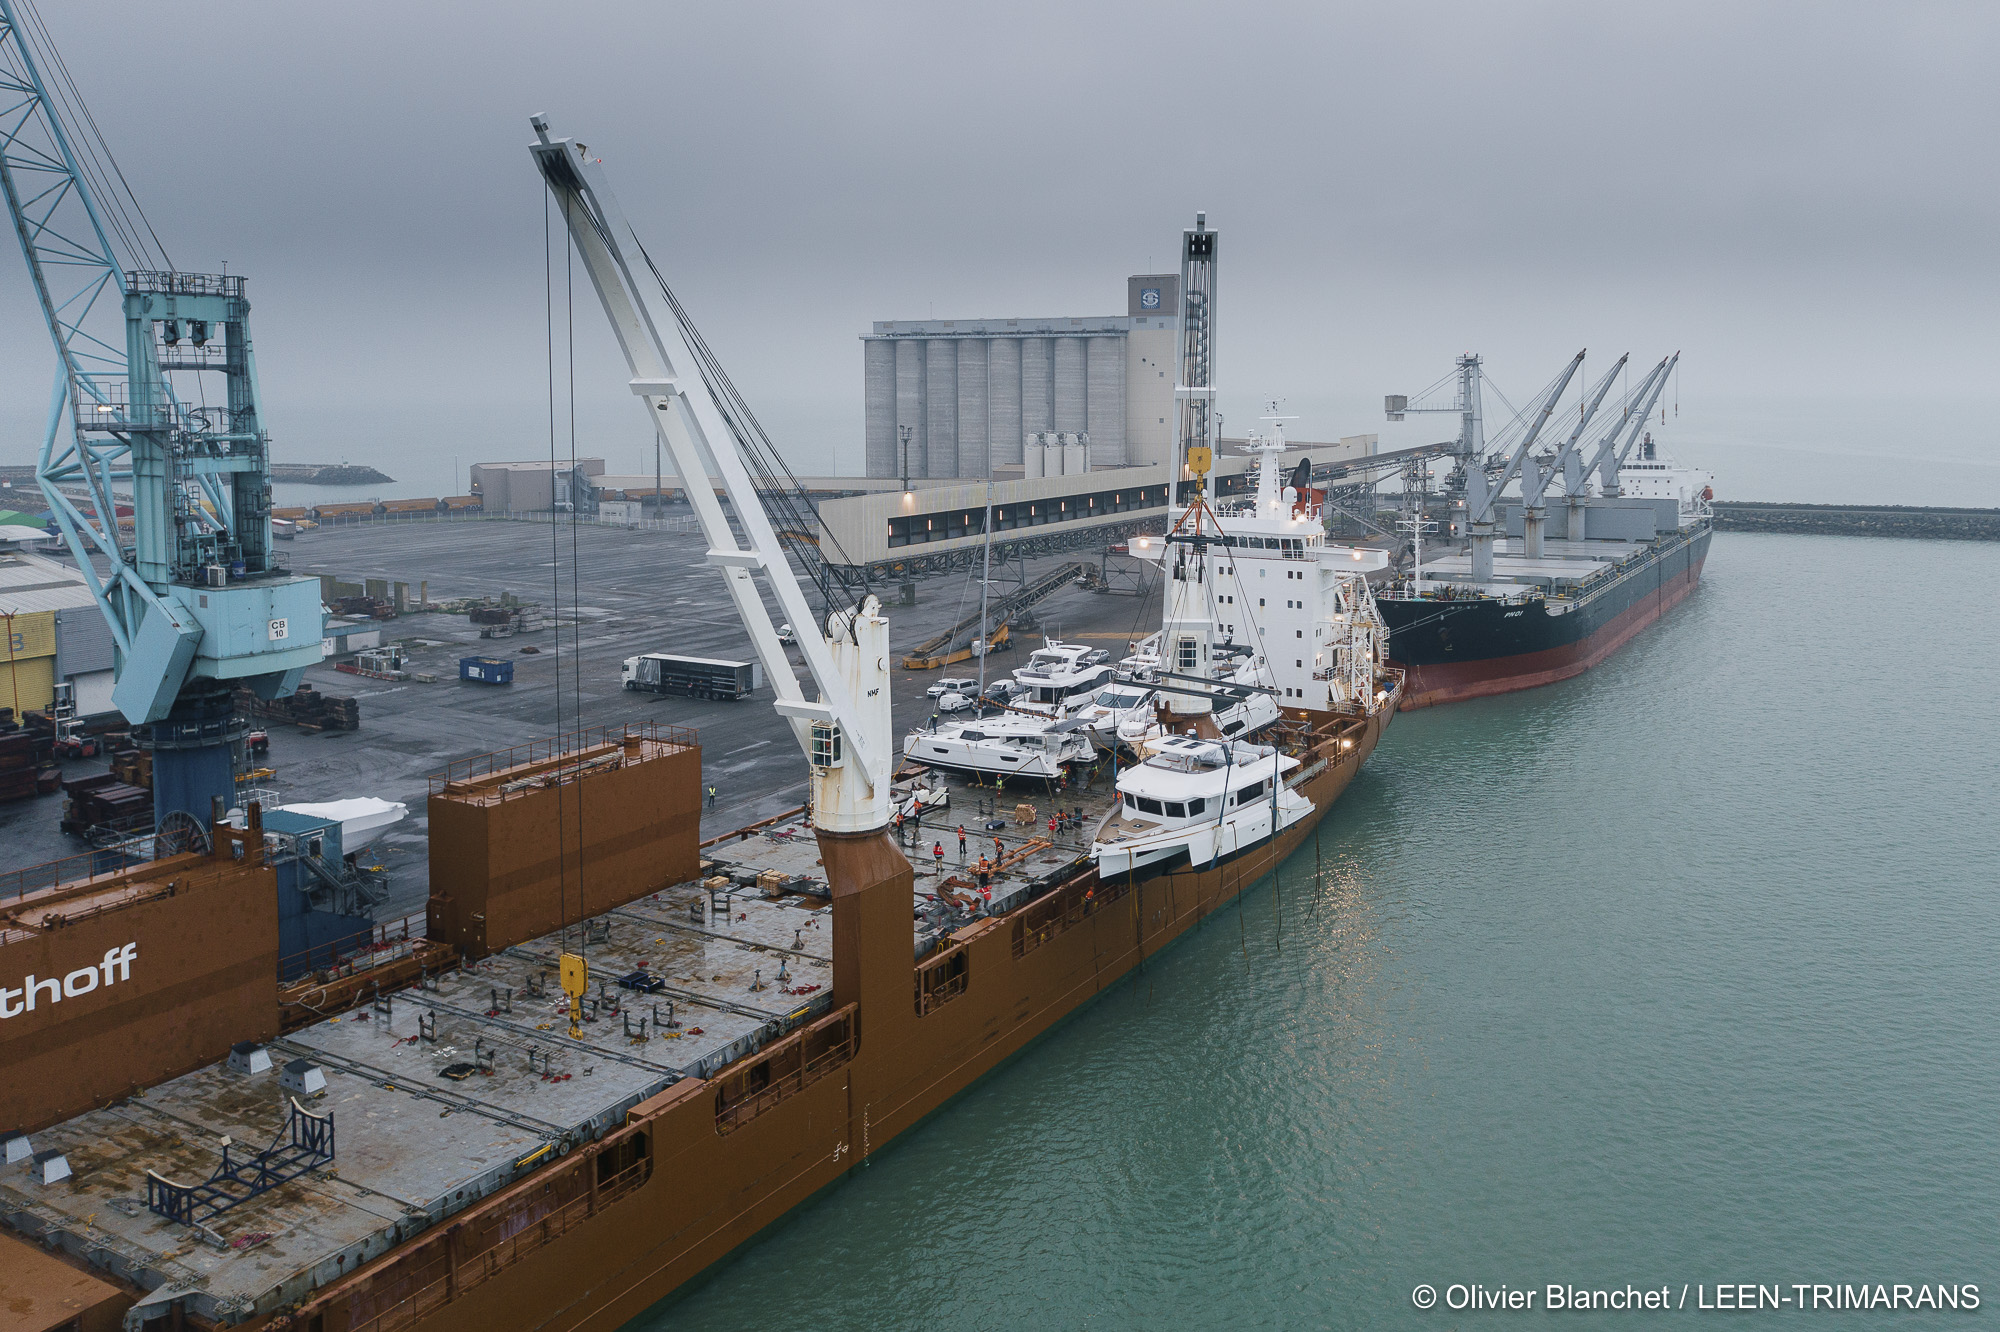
column 555, row 554
column 575, row 590
column 783, row 499
column 781, row 491
column 81, row 116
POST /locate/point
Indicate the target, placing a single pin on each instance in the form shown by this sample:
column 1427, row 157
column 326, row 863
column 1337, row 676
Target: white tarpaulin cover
column 362, row 819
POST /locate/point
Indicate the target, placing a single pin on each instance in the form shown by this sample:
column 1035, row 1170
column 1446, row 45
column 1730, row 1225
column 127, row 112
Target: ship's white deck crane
column 1482, row 518
column 846, row 733
column 1607, row 460
column 1536, row 479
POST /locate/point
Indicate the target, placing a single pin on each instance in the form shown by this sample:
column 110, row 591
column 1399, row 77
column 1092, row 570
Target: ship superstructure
column 1227, row 655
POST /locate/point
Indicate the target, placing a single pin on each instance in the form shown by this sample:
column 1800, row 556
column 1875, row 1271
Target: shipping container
column 699, row 677
column 486, row 670
column 326, row 513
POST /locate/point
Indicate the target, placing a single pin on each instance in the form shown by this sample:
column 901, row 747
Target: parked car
column 1096, row 656
column 786, row 634
column 951, row 684
column 955, row 701
column 1002, row 691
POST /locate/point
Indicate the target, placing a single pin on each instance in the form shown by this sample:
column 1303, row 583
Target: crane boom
column 197, row 601
column 1533, row 491
column 1194, row 385
column 1483, row 513
column 1607, row 460
column 845, row 733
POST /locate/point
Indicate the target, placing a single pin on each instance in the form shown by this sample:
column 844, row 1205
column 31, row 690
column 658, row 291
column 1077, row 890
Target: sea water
column 1683, row 973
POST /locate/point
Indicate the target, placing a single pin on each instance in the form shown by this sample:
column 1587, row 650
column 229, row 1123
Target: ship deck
column 464, row 1083
column 451, row 1089
column 413, row 1145
column 1029, row 860
column 1560, row 561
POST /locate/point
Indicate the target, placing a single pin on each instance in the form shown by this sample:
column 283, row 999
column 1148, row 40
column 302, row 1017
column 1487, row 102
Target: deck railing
column 558, row 747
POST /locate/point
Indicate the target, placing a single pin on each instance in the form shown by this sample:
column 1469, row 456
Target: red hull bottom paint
column 1427, row 686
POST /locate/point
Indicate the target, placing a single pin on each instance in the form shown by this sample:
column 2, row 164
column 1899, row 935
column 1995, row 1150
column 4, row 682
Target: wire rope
column 555, row 553
column 81, row 117
column 575, row 587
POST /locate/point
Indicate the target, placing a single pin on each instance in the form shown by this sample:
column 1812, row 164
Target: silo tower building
column 972, row 398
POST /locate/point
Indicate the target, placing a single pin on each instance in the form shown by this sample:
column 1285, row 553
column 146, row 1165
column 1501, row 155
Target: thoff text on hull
column 706, row 1165
column 1479, row 653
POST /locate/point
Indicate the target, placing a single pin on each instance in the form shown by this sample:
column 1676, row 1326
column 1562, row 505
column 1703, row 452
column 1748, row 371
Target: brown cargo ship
column 611, row 1058
column 741, row 1053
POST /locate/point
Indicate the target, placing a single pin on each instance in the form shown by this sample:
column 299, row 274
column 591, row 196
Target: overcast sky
column 1801, row 197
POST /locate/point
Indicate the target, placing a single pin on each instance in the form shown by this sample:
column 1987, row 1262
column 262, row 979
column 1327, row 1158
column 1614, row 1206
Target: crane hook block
column 575, row 984
column 575, row 975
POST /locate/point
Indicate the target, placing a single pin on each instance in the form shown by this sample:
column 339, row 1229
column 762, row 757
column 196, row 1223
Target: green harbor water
column 1676, row 974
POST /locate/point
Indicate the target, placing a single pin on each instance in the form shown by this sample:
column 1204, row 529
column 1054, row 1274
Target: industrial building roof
column 30, row 583
column 532, row 465
column 1063, row 326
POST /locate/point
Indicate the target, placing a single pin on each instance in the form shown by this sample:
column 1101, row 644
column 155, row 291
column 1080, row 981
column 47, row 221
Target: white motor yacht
column 1196, row 803
column 1010, row 744
column 1060, row 676
column 1126, row 710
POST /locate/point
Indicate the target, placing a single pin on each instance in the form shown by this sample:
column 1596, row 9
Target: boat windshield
column 1187, row 755
column 1120, row 699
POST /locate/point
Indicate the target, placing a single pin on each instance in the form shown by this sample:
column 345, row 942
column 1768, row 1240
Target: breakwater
column 329, row 474
column 1890, row 520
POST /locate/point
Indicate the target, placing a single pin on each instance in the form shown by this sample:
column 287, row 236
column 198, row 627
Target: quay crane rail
column 197, row 600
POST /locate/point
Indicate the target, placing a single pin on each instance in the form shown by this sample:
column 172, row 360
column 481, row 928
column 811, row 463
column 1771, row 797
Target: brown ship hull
column 597, row 1239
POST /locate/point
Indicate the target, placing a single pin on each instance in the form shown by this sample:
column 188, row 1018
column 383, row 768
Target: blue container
column 486, row 670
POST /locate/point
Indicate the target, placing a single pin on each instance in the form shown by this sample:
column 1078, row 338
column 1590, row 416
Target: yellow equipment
column 575, row 984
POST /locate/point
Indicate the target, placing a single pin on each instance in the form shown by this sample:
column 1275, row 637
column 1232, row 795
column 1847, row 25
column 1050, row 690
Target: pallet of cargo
column 102, row 803
column 306, row 708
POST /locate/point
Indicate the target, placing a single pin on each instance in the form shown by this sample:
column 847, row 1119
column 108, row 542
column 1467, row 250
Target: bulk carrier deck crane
column 197, row 600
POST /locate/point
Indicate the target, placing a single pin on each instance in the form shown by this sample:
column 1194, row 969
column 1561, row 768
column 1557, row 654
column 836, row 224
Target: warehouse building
column 969, row 393
column 940, row 526
column 53, row 632
column 533, row 487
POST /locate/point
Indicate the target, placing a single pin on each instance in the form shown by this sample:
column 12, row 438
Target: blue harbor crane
column 197, row 600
